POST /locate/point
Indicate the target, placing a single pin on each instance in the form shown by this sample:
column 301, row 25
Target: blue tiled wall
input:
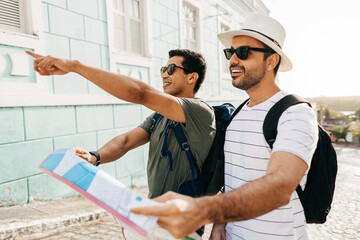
column 30, row 134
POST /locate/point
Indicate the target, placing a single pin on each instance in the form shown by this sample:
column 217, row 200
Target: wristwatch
column 94, row 153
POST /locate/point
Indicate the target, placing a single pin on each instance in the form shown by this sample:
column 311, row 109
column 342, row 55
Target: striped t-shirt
column 246, row 159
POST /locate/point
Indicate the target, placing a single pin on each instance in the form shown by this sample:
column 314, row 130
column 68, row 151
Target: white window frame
column 128, row 29
column 197, row 7
column 124, row 57
column 19, row 94
column 221, row 52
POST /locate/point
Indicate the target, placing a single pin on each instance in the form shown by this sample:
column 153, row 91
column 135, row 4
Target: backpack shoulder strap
column 237, row 110
column 184, row 145
column 155, row 119
column 272, row 118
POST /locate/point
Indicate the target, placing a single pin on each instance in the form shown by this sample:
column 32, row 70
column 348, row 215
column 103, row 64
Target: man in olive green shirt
column 199, row 132
column 182, row 78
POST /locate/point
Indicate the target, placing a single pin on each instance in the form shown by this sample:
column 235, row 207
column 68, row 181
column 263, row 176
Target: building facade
column 132, row 37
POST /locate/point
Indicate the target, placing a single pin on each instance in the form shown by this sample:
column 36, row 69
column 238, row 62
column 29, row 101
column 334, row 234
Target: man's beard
column 250, row 78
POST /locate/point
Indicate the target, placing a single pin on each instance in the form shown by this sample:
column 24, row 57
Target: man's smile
column 236, row 71
column 166, row 83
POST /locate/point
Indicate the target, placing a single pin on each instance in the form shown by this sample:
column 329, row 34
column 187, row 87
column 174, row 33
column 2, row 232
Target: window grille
column 11, row 15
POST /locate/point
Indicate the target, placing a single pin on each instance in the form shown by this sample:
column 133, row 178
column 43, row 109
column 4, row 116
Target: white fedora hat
column 265, row 29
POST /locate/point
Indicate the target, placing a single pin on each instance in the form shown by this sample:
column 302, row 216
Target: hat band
column 274, row 41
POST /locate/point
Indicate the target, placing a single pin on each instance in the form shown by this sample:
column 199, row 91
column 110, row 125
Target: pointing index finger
column 33, row 54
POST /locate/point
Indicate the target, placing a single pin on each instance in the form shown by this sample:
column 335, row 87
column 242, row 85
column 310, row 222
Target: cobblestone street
column 343, row 221
column 103, row 229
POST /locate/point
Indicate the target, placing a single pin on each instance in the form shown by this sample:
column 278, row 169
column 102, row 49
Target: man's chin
column 239, row 85
column 165, row 90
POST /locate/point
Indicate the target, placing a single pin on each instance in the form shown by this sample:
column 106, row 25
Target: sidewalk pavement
column 41, row 216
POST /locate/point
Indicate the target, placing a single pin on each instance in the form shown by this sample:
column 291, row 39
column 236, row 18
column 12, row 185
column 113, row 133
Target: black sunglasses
column 242, row 52
column 170, row 69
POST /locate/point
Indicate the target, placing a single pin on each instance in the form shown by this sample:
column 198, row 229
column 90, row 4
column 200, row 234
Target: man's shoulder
column 198, row 113
column 195, row 103
column 193, row 100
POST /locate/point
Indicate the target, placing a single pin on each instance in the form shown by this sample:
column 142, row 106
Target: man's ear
column 272, row 61
column 193, row 77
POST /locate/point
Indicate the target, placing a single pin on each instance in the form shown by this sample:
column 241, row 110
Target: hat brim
column 227, row 37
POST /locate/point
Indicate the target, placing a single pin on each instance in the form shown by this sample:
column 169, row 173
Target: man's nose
column 163, row 75
column 234, row 60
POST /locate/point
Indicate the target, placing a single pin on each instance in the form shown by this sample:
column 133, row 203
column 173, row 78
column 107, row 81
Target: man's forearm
column 120, row 145
column 249, row 201
column 113, row 150
column 120, row 86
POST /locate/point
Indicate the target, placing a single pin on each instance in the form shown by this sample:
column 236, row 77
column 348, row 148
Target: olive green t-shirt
column 200, row 132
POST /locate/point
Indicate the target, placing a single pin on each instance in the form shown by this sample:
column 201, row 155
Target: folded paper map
column 101, row 188
column 107, row 192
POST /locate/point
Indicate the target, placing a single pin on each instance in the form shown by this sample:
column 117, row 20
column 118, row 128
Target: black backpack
column 319, row 189
column 210, row 179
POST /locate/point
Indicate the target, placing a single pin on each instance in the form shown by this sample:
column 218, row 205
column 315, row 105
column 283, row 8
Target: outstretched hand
column 48, row 65
column 180, row 215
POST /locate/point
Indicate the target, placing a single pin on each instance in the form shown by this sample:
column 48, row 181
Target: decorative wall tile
column 92, row 118
column 21, row 159
column 12, row 125
column 41, row 122
column 65, row 23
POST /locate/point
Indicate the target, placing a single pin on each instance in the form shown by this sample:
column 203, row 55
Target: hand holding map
column 105, row 191
column 99, row 187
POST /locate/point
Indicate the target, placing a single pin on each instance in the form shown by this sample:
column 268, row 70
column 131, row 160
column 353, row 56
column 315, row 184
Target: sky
column 323, row 43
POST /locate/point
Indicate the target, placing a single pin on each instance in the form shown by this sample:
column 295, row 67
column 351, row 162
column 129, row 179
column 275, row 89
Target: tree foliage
column 351, row 123
column 330, row 113
column 340, row 132
column 355, row 129
column 357, row 113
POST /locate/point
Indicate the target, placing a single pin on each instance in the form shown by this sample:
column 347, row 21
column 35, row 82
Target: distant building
column 41, row 114
column 329, row 122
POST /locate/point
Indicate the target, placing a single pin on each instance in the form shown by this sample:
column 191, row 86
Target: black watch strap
column 96, row 154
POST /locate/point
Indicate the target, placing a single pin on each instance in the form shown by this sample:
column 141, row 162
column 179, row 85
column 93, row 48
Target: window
column 128, row 26
column 129, row 36
column 21, row 25
column 224, row 61
column 190, row 33
column 11, row 15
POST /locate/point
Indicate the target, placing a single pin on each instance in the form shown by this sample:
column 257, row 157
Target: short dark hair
column 193, row 62
column 270, row 52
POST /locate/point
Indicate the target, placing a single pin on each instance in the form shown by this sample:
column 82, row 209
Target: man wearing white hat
column 260, row 200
